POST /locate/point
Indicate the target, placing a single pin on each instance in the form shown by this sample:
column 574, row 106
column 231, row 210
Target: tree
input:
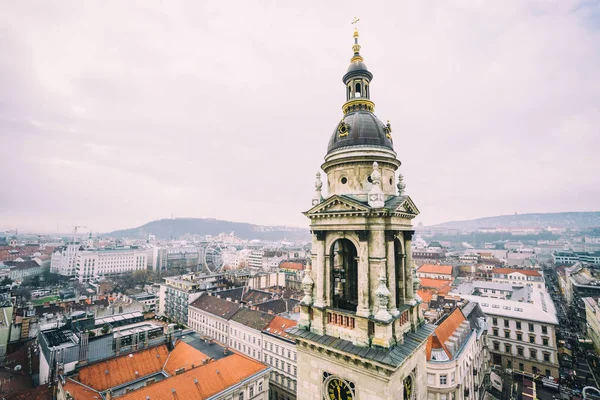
column 105, row 329
column 6, row 281
column 23, row 293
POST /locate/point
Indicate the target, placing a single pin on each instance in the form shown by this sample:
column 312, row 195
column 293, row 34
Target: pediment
column 337, row 204
column 407, row 206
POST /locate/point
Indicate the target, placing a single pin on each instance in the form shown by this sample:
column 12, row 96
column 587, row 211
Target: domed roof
column 357, row 68
column 359, row 128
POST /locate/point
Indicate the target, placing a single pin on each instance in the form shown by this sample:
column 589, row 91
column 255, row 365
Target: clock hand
column 339, row 394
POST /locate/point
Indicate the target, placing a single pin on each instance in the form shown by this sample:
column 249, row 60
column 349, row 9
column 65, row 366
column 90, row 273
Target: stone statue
column 376, row 198
column 318, row 197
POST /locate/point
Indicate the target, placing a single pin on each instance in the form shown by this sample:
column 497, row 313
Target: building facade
column 522, row 335
column 360, row 333
column 177, row 292
column 454, row 359
column 279, row 352
column 87, row 264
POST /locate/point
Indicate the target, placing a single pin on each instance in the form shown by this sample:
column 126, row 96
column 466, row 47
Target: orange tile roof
column 435, row 283
column 435, row 269
column 278, row 325
column 184, row 356
column 231, row 370
column 122, row 369
column 292, row 265
column 444, row 331
column 78, row 391
column 506, row 271
column 425, row 295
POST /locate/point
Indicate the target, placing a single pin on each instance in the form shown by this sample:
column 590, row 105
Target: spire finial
column 401, row 185
column 356, row 47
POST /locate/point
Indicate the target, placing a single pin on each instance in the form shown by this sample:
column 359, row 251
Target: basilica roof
column 360, row 128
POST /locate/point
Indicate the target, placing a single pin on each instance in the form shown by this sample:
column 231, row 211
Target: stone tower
column 360, row 334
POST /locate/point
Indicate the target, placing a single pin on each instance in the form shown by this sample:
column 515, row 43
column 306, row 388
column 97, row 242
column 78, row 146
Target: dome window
column 344, row 180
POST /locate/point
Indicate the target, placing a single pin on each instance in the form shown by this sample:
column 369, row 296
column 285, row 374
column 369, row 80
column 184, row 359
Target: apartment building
column 210, row 315
column 87, row 264
column 245, row 328
column 435, row 271
column 177, row 292
column 454, row 361
column 522, row 335
column 279, row 352
column 592, row 316
column 256, row 334
column 513, row 276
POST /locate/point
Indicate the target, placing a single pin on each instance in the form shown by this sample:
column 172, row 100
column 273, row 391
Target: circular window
column 369, row 179
column 344, row 180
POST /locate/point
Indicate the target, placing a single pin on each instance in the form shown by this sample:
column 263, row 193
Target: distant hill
column 176, row 228
column 539, row 220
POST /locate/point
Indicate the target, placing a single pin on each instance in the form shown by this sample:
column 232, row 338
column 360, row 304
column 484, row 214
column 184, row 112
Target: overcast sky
column 116, row 113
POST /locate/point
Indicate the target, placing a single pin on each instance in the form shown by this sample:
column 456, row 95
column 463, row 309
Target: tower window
column 344, row 270
column 344, row 180
column 357, row 90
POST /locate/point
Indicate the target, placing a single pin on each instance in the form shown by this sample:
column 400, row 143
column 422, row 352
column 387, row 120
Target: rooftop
column 252, row 318
column 218, row 307
column 435, row 269
column 201, row 382
column 119, row 370
column 277, row 327
column 541, row 309
column 506, row 271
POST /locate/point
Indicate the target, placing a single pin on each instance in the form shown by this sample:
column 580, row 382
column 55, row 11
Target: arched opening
column 367, row 92
column 344, row 271
column 399, row 269
column 349, row 95
column 357, row 90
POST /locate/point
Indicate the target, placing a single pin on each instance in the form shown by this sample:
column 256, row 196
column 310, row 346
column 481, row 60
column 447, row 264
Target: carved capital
column 320, row 235
column 363, row 236
column 408, row 235
column 390, row 235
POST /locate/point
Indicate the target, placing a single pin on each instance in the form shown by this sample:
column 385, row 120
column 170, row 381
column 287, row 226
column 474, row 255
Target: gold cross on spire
column 355, row 22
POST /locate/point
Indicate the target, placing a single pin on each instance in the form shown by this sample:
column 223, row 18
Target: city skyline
column 118, row 115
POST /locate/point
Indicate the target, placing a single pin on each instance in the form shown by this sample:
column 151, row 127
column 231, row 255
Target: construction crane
column 75, row 228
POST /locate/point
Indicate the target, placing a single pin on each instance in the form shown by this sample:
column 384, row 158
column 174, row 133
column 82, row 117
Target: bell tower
column 360, row 330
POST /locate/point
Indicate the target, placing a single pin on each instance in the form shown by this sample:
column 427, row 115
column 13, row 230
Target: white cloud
column 137, row 110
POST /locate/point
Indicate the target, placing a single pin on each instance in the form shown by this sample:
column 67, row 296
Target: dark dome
column 357, row 68
column 363, row 129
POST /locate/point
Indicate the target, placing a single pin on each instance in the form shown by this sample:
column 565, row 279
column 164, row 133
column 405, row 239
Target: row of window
column 519, row 336
column 291, row 369
column 519, row 325
column 521, row 351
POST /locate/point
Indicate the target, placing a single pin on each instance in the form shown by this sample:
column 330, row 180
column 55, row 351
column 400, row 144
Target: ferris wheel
column 213, row 256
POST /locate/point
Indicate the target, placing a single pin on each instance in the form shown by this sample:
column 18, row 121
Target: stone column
column 364, row 290
column 392, row 279
column 319, row 267
column 408, row 281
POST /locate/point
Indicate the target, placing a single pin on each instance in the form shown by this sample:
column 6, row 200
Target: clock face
column 338, row 389
column 408, row 387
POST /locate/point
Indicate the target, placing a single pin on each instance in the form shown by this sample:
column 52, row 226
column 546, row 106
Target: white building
column 210, row 315
column 87, row 264
column 178, row 292
column 513, row 276
column 522, row 335
column 255, row 259
column 279, row 352
column 245, row 329
column 455, row 357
